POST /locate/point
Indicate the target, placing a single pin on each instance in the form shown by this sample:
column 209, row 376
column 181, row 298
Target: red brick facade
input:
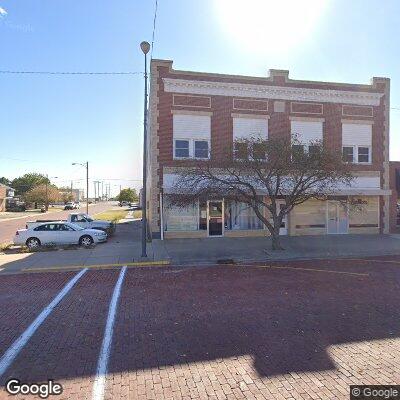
column 222, row 108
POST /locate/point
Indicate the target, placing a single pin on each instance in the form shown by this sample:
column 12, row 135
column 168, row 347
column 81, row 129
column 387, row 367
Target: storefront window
column 240, row 216
column 203, row 215
column 180, row 218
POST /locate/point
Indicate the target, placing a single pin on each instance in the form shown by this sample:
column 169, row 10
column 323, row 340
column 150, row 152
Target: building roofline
column 270, row 78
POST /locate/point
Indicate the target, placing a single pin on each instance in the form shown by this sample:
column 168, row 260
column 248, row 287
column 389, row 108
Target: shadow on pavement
column 283, row 320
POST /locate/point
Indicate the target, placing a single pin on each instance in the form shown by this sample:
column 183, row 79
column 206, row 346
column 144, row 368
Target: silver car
column 58, row 233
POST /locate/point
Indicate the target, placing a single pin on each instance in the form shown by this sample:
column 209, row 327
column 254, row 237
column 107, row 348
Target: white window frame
column 174, row 148
column 191, row 148
column 355, row 154
column 369, row 155
column 194, row 149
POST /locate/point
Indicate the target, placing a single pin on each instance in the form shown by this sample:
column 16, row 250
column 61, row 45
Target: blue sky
column 48, row 122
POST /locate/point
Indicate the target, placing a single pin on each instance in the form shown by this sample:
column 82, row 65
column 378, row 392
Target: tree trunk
column 276, row 240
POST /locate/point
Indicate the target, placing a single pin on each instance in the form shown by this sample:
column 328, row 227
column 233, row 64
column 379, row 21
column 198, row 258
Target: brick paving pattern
column 221, row 332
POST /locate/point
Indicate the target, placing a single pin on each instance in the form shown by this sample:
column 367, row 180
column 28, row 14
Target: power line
column 154, row 29
column 70, row 72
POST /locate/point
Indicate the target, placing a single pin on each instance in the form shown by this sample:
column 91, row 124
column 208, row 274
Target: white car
column 58, row 233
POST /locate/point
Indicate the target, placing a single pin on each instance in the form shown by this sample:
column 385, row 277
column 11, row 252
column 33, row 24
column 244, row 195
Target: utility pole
column 145, row 47
column 87, row 187
column 86, row 165
column 94, row 184
column 102, row 190
column 47, row 193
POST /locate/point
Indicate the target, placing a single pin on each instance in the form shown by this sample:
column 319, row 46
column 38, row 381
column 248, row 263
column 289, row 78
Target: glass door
column 215, row 218
column 338, row 220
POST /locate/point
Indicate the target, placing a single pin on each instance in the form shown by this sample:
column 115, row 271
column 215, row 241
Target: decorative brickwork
column 191, row 101
column 357, row 111
column 255, row 105
column 306, row 108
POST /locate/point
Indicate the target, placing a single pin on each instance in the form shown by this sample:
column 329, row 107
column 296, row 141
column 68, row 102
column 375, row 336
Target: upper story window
column 201, row 149
column 307, row 133
column 191, row 136
column 182, row 148
column 357, row 143
column 249, row 128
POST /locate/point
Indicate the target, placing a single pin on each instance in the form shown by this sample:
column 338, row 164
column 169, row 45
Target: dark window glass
column 201, row 149
column 297, row 149
column 241, row 151
column 182, row 148
column 259, row 151
column 314, row 150
column 363, row 154
column 65, row 228
column 347, row 154
column 42, row 228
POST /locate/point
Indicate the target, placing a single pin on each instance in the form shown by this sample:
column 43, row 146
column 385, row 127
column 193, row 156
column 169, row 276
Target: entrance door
column 338, row 220
column 215, row 218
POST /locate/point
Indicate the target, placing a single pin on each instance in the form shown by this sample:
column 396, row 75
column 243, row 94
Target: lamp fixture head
column 145, row 46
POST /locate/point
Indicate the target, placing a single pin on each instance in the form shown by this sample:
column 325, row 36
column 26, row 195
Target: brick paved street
column 299, row 330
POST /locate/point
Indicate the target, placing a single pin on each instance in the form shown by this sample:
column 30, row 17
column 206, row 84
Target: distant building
column 6, row 192
column 77, row 194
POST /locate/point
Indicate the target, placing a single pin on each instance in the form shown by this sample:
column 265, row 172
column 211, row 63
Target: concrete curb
column 99, row 266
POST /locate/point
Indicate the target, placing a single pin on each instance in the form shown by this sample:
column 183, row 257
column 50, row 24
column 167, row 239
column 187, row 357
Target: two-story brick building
column 195, row 115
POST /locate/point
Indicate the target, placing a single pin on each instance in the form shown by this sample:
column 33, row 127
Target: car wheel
column 33, row 243
column 86, row 241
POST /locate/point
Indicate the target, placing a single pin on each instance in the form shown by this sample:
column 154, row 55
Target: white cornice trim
column 270, row 92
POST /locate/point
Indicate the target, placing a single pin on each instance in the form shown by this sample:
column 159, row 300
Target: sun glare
column 269, row 25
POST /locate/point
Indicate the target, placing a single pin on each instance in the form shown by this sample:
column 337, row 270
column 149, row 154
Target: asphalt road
column 299, row 330
column 9, row 227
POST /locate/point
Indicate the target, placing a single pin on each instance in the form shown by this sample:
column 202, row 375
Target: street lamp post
column 145, row 46
column 86, row 165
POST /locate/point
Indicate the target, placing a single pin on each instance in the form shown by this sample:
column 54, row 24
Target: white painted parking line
column 9, row 356
column 102, row 364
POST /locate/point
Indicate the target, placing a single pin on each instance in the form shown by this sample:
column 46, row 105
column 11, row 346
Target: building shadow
column 281, row 320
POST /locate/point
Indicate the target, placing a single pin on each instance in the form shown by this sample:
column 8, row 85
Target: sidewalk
column 123, row 248
column 210, row 250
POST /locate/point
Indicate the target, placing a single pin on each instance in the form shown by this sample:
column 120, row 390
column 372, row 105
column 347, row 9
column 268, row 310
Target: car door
column 66, row 234
column 42, row 233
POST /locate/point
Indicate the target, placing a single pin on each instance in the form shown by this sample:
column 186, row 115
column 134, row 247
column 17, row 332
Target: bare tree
column 261, row 172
